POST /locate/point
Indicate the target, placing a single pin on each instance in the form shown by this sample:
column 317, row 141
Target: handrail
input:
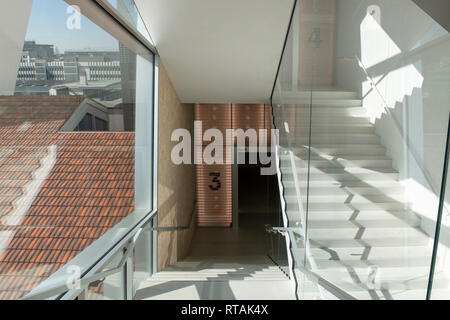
column 303, row 222
column 303, row 215
column 312, row 276
column 126, row 244
column 439, row 216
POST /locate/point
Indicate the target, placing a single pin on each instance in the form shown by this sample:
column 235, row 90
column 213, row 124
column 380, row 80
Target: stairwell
column 223, row 264
column 364, row 238
column 218, row 278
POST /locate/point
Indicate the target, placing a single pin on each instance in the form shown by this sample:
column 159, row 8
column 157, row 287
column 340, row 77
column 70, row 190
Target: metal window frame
column 128, row 241
column 116, row 15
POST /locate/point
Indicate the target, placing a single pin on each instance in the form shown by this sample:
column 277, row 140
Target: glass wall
column 362, row 105
column 76, row 142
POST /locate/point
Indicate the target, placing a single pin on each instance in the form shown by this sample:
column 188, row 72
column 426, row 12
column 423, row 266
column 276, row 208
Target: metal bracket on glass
column 168, row 228
column 312, row 276
column 95, row 278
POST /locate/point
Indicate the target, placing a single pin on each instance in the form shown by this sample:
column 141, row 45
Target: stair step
column 338, row 138
column 341, row 177
column 375, row 253
column 349, row 184
column 336, row 120
column 318, row 162
column 385, row 242
column 370, row 233
column 346, row 191
column 304, row 128
column 394, row 275
column 411, row 289
column 374, row 224
column 178, row 268
column 216, row 290
column 348, row 199
column 351, row 214
column 344, row 110
column 341, row 150
column 347, row 208
column 333, row 170
column 294, row 102
column 212, row 277
column 395, row 263
column 351, row 170
column 322, row 94
column 220, row 265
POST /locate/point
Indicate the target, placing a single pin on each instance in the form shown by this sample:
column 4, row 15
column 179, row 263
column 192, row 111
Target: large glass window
column 76, row 123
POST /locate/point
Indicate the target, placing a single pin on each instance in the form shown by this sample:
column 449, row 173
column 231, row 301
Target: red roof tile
column 78, row 185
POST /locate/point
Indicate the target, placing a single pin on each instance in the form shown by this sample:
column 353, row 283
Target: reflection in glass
column 128, row 10
column 68, row 156
column 361, row 102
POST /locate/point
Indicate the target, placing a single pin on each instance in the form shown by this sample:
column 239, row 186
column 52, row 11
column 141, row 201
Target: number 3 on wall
column 215, row 180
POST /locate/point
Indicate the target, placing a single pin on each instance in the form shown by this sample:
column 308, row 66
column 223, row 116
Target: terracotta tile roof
column 59, row 191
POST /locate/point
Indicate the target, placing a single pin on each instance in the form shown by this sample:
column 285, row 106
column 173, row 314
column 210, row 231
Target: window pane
column 128, row 10
column 61, row 189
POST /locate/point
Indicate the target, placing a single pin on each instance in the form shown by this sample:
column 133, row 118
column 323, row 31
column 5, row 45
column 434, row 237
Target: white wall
column 408, row 55
column 13, row 28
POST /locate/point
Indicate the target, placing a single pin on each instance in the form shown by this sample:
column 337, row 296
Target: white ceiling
column 219, row 51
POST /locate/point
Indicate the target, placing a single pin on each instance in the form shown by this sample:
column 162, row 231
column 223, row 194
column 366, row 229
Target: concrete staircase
column 219, row 278
column 364, row 238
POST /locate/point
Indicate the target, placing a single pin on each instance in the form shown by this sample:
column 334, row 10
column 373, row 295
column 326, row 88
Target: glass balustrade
column 361, row 101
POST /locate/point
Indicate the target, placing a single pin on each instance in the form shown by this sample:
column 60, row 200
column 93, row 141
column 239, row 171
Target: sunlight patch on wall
column 385, row 90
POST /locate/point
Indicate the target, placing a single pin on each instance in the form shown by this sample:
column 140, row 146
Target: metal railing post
column 128, row 278
column 439, row 215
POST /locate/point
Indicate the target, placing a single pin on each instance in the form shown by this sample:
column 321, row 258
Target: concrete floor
column 247, row 240
column 223, row 264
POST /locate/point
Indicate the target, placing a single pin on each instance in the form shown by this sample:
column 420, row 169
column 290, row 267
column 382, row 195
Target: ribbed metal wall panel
column 214, row 182
column 255, row 116
column 214, row 195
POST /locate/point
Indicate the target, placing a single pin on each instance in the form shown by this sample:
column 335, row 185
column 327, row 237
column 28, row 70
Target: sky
column 47, row 25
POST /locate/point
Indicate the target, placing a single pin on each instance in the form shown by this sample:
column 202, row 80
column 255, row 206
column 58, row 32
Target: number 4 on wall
column 315, row 37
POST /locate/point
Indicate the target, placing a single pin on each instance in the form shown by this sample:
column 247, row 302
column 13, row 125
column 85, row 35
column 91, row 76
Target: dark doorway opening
column 259, row 198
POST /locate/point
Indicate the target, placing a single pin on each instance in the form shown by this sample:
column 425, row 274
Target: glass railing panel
column 290, row 108
column 142, row 257
column 110, row 287
column 363, row 91
column 275, row 241
column 376, row 148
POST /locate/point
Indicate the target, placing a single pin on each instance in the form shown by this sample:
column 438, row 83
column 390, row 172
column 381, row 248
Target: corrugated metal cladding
column 214, row 182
